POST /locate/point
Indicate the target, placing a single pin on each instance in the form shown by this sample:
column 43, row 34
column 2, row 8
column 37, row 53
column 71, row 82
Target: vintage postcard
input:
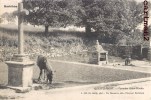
column 75, row 49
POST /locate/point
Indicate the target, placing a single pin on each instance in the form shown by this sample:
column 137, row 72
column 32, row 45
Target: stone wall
column 136, row 52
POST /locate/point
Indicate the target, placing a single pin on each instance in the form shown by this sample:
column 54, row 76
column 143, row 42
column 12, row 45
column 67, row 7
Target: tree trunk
column 46, row 30
column 87, row 29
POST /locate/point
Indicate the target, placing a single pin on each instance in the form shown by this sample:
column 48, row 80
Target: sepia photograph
column 75, row 49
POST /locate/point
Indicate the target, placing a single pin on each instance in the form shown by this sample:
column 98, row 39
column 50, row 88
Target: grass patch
column 58, row 44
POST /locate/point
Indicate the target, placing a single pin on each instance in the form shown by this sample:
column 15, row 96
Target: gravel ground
column 69, row 75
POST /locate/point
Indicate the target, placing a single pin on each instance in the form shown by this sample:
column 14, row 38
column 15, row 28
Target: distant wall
column 136, row 52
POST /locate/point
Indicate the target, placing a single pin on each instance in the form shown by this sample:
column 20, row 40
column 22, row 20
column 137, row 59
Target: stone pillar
column 20, row 30
column 95, row 54
column 149, row 54
column 20, row 68
column 20, row 73
column 98, row 52
column 149, row 49
column 106, row 55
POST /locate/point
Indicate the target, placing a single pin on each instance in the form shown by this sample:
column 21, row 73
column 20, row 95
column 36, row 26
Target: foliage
column 10, row 17
column 109, row 18
column 53, row 13
column 104, row 16
column 56, row 44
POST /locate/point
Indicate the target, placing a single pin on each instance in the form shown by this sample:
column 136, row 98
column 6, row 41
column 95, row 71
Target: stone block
column 20, row 73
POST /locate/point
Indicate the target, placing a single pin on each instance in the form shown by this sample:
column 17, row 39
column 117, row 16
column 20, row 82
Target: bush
column 58, row 43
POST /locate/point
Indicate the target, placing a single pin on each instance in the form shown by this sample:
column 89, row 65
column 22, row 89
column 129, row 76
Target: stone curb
column 20, row 89
column 93, row 86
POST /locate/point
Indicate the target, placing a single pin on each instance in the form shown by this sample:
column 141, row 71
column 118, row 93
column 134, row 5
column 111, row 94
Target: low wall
column 123, row 51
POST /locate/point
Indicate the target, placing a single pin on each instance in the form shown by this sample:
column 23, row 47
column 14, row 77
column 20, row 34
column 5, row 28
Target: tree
column 97, row 14
column 85, row 11
column 108, row 16
column 53, row 13
column 10, row 17
column 119, row 16
column 104, row 16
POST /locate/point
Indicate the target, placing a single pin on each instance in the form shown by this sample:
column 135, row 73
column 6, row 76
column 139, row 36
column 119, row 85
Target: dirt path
column 136, row 90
